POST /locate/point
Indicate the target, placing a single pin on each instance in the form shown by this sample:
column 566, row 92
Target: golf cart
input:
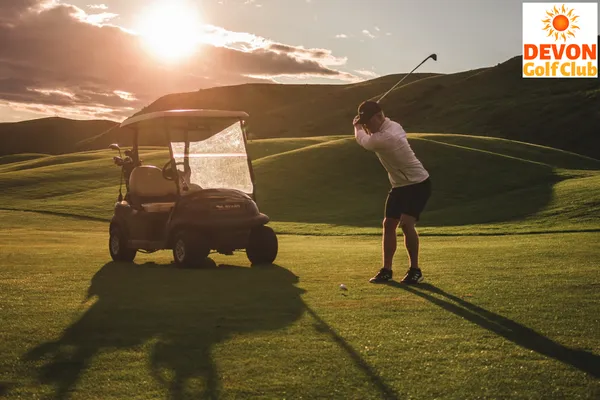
column 201, row 200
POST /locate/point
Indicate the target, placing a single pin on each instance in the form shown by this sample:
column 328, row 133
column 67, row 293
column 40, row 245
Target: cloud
column 367, row 73
column 341, row 36
column 100, row 19
column 57, row 57
column 369, row 34
column 12, row 10
column 323, row 56
column 98, row 6
column 266, row 62
column 80, row 112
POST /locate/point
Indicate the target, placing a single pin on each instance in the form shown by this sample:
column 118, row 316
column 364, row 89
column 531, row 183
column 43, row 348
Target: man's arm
column 369, row 142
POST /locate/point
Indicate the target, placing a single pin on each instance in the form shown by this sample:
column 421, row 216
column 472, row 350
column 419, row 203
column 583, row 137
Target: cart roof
column 178, row 114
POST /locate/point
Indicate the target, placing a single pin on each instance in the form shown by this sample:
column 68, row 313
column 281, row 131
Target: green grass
column 15, row 158
column 504, row 313
column 267, row 147
column 74, row 323
column 330, row 185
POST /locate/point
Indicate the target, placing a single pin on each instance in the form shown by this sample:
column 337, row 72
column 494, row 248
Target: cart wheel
column 189, row 249
column 262, row 245
column 117, row 246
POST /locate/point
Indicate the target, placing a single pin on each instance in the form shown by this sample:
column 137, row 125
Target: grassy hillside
column 48, row 135
column 276, row 111
column 15, row 158
column 561, row 113
column 495, row 101
column 497, row 186
column 331, row 185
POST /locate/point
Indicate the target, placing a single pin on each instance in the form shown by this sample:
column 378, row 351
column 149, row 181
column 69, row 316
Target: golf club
column 118, row 161
column 434, row 56
column 115, row 146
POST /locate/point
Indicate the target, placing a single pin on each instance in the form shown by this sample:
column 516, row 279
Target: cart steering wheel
column 167, row 171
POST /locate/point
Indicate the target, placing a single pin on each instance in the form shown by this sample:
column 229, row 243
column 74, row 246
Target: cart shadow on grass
column 4, row 388
column 506, row 328
column 184, row 311
column 179, row 314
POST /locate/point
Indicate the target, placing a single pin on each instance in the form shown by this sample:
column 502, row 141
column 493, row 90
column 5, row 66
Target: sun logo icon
column 560, row 23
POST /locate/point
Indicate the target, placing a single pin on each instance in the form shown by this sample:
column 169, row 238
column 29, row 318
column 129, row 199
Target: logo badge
column 560, row 40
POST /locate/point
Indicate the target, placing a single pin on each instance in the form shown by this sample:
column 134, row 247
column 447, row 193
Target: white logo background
column 533, row 27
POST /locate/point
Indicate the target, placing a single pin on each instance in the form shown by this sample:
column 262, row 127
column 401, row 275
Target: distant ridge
column 52, row 135
column 494, row 101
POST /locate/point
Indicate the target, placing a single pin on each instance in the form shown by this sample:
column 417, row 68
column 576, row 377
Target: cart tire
column 117, row 246
column 262, row 245
column 189, row 249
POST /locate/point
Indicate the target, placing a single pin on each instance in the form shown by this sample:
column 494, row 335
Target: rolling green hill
column 15, row 158
column 330, row 185
column 276, row 111
column 48, row 135
column 495, row 101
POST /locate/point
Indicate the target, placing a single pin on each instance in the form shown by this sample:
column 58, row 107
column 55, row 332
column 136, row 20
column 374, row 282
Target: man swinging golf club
column 411, row 186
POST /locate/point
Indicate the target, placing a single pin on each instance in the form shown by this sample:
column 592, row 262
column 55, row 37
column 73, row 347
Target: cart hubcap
column 180, row 250
column 114, row 244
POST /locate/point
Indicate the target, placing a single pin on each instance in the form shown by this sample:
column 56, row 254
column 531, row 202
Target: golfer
column 411, row 186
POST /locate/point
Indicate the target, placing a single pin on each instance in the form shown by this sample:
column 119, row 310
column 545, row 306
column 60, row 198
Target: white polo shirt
column 394, row 152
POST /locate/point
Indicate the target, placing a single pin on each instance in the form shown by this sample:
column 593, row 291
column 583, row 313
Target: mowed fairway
column 500, row 316
column 509, row 308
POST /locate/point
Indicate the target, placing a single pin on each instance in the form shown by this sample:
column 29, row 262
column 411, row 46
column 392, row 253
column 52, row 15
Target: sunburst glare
column 171, row 30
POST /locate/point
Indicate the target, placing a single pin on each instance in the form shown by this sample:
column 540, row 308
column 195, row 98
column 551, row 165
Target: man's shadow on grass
column 321, row 326
column 511, row 330
column 186, row 311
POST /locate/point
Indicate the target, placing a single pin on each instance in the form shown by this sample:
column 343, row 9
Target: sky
column 106, row 59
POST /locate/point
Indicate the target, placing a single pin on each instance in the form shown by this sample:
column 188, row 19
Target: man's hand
column 359, row 125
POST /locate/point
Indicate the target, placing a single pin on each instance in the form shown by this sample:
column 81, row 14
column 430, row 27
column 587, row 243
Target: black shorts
column 409, row 200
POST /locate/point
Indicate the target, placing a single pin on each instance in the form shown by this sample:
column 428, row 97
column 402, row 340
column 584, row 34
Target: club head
column 114, row 146
column 434, row 56
column 128, row 153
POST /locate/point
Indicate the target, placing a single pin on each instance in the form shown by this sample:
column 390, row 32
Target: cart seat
column 149, row 189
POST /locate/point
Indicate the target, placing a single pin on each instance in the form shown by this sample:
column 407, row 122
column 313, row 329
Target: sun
column 560, row 23
column 170, row 29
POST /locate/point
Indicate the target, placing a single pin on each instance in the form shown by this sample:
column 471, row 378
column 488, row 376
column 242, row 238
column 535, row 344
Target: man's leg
column 390, row 241
column 411, row 239
column 411, row 242
column 389, row 238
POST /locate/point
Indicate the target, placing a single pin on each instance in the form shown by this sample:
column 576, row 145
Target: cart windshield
column 220, row 161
